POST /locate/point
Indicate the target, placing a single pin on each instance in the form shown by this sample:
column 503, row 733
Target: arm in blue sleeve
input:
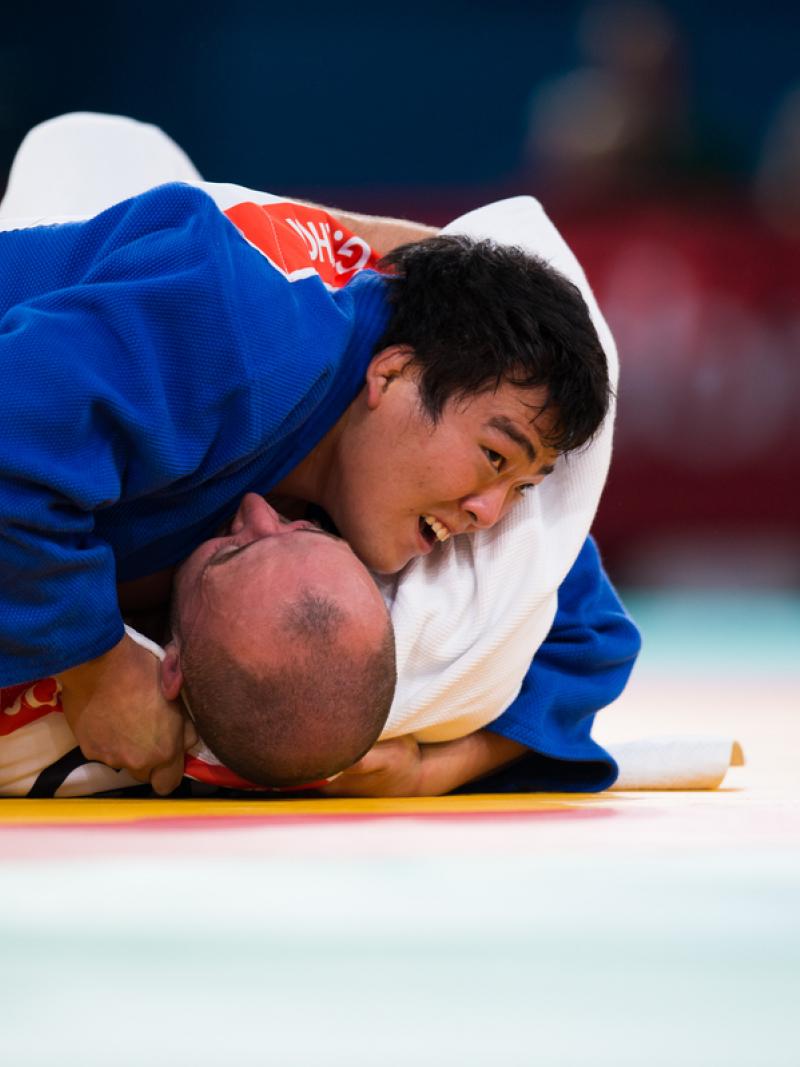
column 582, row 666
column 80, row 330
column 153, row 363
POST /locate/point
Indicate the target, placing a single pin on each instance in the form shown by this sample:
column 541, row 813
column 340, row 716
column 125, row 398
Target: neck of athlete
column 313, row 479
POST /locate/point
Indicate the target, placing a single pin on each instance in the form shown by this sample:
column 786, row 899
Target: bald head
column 284, row 647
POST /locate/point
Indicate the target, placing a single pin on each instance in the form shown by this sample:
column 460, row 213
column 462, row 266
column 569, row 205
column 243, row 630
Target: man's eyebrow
column 319, row 530
column 506, row 426
column 222, row 556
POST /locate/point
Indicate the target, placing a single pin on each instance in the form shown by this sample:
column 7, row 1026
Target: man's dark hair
column 308, row 718
column 477, row 314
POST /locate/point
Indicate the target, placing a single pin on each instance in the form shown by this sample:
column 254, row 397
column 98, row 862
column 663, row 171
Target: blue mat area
column 740, row 633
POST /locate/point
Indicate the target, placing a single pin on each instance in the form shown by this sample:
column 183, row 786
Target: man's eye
column 496, row 460
column 225, row 553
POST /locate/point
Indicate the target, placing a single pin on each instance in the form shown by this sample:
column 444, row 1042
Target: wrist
column 449, row 764
column 83, row 678
column 126, row 667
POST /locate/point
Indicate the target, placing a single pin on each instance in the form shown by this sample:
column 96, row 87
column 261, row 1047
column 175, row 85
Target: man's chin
column 386, row 570
column 384, row 567
column 379, row 559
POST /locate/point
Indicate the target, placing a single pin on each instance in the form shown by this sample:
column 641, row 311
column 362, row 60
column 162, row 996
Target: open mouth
column 432, row 530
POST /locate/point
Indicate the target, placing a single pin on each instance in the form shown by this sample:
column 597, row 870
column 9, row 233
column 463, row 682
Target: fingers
column 347, row 786
column 167, row 777
column 358, row 779
column 391, row 768
column 139, row 775
column 190, row 734
column 368, row 763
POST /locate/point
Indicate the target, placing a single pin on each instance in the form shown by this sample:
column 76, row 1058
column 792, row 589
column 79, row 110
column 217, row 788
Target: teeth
column 442, row 533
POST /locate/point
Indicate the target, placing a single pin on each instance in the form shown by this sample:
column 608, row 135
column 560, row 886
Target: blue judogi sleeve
column 154, row 367
column 582, row 666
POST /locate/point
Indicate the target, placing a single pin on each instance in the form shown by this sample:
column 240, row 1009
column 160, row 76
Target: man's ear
column 171, row 673
column 384, row 367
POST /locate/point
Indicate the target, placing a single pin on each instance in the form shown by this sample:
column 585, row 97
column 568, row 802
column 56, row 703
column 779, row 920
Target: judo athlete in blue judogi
column 157, row 366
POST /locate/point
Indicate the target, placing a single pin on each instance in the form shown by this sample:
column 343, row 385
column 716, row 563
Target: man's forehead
column 237, row 580
column 522, row 403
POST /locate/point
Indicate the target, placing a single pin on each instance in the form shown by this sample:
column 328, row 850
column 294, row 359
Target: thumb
column 190, row 734
column 369, row 763
column 167, row 777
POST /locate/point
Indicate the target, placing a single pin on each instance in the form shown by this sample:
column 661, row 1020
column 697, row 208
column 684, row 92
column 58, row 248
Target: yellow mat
column 94, row 811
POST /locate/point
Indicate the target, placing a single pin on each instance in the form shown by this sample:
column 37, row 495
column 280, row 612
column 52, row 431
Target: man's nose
column 255, row 516
column 487, row 507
